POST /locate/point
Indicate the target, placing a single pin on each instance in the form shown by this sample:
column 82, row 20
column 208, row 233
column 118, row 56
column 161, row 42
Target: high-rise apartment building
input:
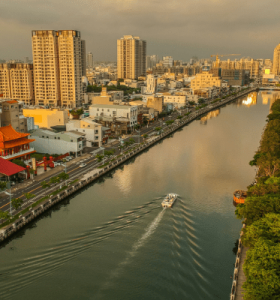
column 5, row 89
column 16, row 82
column 151, row 61
column 89, row 60
column 151, row 84
column 131, row 57
column 46, row 67
column 70, row 68
column 57, row 61
column 276, row 61
column 167, row 61
column 83, row 57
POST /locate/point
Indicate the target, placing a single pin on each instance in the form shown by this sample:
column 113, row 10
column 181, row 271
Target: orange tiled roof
column 7, row 133
column 12, row 101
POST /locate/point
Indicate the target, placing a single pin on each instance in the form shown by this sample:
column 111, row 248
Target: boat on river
column 169, row 200
column 239, row 196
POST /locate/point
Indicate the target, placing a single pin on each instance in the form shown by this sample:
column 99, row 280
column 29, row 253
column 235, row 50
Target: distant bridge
column 270, row 88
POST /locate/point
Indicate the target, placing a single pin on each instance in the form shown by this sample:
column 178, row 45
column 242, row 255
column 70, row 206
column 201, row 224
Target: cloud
column 179, row 28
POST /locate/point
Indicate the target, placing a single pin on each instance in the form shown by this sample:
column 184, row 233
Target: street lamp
column 101, row 148
column 9, row 194
column 138, row 136
column 65, row 171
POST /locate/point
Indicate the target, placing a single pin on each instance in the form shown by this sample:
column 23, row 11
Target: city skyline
column 179, row 29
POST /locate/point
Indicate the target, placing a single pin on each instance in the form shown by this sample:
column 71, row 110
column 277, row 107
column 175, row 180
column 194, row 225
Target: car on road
column 82, row 165
column 69, row 157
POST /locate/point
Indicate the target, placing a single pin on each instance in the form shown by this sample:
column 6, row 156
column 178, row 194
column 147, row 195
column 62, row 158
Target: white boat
column 169, row 200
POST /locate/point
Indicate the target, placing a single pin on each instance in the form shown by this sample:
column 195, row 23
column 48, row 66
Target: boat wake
column 148, row 232
column 31, row 268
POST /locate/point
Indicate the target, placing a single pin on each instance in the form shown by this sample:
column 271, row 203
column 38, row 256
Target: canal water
column 113, row 240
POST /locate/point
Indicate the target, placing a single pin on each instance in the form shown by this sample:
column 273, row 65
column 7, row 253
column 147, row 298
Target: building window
column 58, row 138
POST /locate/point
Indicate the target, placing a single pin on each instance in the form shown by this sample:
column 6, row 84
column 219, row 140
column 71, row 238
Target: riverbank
column 256, row 273
column 32, row 212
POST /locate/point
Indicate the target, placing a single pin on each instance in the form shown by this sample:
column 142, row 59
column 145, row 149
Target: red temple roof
column 8, row 168
column 7, row 133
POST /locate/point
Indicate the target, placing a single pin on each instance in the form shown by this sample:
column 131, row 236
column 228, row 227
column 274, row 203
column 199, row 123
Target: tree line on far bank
column 261, row 213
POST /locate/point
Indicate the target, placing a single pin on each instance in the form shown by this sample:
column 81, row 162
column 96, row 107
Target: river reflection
column 114, row 241
column 251, row 99
column 210, row 115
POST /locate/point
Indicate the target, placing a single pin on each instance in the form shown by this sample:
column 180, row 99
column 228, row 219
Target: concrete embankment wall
column 43, row 206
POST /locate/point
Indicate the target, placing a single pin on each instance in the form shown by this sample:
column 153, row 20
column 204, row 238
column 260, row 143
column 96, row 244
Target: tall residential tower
column 57, row 62
column 16, row 82
column 131, row 57
column 276, row 61
column 89, row 60
column 46, row 67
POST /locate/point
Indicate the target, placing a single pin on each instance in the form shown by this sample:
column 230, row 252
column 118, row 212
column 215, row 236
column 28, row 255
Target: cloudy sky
column 180, row 28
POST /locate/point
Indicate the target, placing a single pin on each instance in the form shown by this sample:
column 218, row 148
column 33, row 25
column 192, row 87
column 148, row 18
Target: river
column 113, row 240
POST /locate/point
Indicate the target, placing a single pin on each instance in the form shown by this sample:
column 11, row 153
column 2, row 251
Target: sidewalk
column 241, row 275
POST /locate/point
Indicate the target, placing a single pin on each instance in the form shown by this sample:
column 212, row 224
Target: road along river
column 113, row 240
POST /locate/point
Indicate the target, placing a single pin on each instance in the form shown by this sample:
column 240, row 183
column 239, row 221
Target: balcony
column 11, row 156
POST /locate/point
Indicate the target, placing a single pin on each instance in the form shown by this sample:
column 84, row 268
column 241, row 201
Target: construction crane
column 221, row 55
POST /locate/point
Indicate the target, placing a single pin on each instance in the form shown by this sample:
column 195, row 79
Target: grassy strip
column 102, row 166
column 74, row 181
column 39, row 201
column 59, row 190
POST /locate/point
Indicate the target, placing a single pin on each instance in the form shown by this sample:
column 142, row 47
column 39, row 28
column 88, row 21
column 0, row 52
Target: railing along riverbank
column 34, row 212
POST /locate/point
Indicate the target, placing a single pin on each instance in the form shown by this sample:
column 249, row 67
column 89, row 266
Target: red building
column 14, row 144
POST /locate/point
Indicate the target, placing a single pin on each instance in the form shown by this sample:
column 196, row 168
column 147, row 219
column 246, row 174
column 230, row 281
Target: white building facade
column 177, row 101
column 118, row 111
column 91, row 129
column 151, row 84
column 48, row 141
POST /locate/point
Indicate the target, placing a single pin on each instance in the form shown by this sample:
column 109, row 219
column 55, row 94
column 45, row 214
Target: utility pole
column 9, row 194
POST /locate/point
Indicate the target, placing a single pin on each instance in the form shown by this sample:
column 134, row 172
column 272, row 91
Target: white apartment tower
column 131, row 57
column 276, row 61
column 151, row 84
column 57, row 61
column 89, row 60
column 168, row 61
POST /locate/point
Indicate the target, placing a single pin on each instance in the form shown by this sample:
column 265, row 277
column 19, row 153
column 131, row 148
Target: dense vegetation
column 126, row 90
column 261, row 213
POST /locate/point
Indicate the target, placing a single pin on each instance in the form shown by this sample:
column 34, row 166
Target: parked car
column 82, row 165
column 69, row 157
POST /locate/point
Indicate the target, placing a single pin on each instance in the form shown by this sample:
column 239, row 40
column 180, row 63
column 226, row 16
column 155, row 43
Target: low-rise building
column 11, row 115
column 177, row 101
column 155, row 102
column 51, row 142
column 117, row 125
column 128, row 112
column 205, row 80
column 235, row 77
column 47, row 118
column 91, row 129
